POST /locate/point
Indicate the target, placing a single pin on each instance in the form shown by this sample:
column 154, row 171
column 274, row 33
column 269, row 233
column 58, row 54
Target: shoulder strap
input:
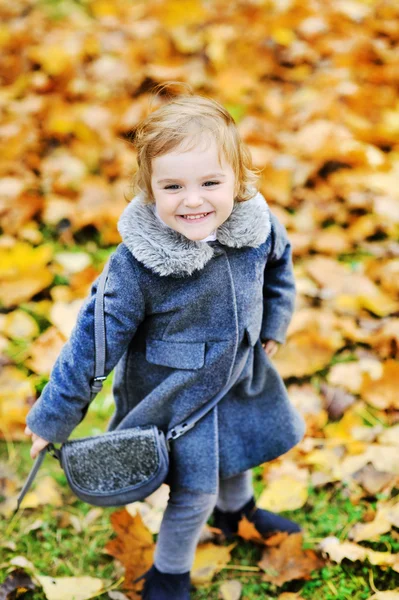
column 99, row 335
column 99, row 324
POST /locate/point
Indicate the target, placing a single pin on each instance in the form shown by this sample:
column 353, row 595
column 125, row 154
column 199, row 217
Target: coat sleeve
column 65, row 399
column 279, row 288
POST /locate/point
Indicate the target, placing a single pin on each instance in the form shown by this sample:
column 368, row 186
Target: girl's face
column 193, row 183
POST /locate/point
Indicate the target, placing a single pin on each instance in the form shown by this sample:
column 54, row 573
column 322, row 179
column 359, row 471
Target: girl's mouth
column 195, row 219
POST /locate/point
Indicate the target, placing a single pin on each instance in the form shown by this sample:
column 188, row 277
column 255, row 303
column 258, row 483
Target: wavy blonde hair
column 183, row 119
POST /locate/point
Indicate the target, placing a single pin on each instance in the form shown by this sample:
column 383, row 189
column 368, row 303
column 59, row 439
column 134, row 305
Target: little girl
column 202, row 282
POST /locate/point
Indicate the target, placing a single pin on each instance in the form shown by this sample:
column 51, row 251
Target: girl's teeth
column 197, row 217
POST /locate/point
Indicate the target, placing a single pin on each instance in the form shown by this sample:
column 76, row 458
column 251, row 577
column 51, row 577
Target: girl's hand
column 38, row 443
column 271, row 347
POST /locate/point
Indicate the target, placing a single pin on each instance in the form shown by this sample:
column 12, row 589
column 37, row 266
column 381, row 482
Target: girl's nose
column 193, row 201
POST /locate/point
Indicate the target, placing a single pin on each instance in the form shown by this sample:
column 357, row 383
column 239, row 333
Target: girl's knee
column 197, row 501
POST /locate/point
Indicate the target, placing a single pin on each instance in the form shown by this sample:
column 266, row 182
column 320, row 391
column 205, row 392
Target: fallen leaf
column 337, row 551
column 388, row 595
column 209, row 559
column 15, row 584
column 286, row 493
column 133, row 547
column 64, row 315
column 18, row 324
column 43, row 352
column 231, row 590
column 46, row 491
column 70, row 588
column 371, row 480
column 289, row 561
column 381, row 392
column 370, row 531
column 248, row 531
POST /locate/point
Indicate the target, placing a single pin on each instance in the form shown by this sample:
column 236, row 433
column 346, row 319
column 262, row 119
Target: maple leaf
column 133, row 547
column 289, row 561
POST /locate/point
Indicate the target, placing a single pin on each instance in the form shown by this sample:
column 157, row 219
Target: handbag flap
column 112, row 461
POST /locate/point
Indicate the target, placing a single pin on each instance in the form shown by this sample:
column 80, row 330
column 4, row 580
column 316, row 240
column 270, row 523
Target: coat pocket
column 179, row 355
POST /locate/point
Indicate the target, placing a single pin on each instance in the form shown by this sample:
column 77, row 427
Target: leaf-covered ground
column 313, row 88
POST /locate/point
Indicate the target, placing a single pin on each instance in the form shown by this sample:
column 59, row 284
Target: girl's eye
column 173, row 185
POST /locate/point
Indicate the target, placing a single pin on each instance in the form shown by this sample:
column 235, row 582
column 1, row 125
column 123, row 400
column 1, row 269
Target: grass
column 58, row 551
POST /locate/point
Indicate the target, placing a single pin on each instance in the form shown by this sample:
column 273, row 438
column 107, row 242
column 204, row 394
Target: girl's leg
column 235, row 492
column 182, row 523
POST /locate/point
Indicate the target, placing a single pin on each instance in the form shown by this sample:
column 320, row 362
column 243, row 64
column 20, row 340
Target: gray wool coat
column 179, row 315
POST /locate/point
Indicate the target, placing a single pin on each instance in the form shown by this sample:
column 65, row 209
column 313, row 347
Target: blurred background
column 313, row 88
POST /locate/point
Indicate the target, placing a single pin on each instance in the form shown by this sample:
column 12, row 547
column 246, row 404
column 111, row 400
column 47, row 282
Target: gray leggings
column 186, row 514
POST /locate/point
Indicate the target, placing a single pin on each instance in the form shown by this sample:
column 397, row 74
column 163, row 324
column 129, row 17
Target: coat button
column 217, row 251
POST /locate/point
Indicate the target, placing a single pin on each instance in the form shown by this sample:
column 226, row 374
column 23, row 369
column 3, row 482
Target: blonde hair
column 187, row 117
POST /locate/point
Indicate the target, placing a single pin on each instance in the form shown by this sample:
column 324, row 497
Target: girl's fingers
column 37, row 446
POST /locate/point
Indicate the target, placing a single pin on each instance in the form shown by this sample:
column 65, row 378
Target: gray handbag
column 121, row 466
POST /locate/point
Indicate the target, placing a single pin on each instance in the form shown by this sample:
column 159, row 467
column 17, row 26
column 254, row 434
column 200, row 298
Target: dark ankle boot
column 266, row 522
column 165, row 586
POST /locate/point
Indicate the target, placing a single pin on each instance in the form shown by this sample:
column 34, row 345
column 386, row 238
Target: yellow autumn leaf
column 70, row 588
column 19, row 324
column 54, row 59
column 390, row 436
column 350, row 374
column 43, row 352
column 231, row 590
column 370, row 531
column 22, row 258
column 16, row 291
column 286, row 493
column 305, row 353
column 208, row 560
column 342, row 429
column 337, row 551
column 175, row 13
column 16, row 391
column 23, row 272
column 45, row 492
column 383, row 392
column 283, row 36
column 384, row 458
column 64, row 315
column 339, row 279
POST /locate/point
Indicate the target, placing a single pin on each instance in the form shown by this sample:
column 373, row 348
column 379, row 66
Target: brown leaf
column 134, row 547
column 383, row 392
column 337, row 400
column 289, row 561
column 17, row 582
column 248, row 531
column 371, row 480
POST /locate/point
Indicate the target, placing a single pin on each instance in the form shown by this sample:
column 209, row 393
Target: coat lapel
column 168, row 252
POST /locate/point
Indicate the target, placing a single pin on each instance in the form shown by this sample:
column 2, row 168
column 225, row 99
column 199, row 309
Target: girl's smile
column 191, row 219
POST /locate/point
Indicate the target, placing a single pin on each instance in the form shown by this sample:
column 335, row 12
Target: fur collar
column 168, row 252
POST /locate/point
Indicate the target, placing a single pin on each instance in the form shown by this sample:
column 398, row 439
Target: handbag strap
column 99, row 336
column 97, row 384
